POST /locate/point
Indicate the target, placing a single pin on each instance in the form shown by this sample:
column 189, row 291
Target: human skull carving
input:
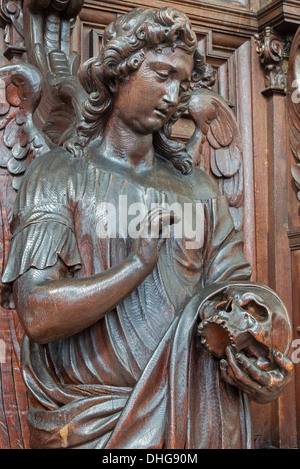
column 250, row 318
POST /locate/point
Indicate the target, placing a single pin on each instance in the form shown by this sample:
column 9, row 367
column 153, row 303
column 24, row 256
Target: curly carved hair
column 124, row 44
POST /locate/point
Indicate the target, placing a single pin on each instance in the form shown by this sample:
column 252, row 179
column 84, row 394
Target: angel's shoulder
column 54, row 170
column 55, row 162
column 53, row 177
column 202, row 185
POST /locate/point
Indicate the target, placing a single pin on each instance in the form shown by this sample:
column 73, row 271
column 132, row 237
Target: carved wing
column 39, row 109
column 20, row 140
column 293, row 106
column 216, row 146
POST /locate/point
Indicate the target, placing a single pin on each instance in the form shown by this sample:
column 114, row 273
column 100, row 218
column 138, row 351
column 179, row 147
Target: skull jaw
column 216, row 334
column 215, row 338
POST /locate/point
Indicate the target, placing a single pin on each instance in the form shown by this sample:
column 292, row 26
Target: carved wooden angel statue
column 125, row 264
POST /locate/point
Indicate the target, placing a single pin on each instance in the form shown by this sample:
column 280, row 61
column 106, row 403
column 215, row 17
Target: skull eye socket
column 259, row 312
column 225, row 305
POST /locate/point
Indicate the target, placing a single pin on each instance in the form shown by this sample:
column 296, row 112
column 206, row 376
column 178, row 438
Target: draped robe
column 139, row 377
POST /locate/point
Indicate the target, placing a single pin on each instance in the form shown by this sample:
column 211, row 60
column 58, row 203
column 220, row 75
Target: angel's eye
column 184, row 88
column 162, row 74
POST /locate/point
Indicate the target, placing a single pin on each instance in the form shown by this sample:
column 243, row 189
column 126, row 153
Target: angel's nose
column 171, row 96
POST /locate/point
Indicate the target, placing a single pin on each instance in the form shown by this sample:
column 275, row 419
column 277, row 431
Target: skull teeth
column 221, row 323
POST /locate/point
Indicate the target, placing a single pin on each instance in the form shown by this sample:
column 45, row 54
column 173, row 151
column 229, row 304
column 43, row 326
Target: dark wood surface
column 270, row 210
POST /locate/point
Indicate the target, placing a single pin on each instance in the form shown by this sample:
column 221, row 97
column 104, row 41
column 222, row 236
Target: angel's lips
column 163, row 113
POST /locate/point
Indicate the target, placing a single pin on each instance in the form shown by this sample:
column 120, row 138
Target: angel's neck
column 129, row 147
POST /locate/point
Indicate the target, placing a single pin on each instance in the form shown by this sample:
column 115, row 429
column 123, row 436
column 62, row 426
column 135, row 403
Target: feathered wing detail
column 216, row 146
column 293, row 106
column 20, row 140
column 39, row 110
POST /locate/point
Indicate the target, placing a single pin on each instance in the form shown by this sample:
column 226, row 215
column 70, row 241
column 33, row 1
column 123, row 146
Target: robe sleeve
column 42, row 228
column 39, row 236
column 224, row 259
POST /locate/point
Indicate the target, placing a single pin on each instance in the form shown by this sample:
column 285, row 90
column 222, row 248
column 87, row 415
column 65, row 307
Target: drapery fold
column 137, row 378
column 159, row 412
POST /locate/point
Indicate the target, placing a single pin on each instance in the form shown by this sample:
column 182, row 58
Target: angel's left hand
column 261, row 386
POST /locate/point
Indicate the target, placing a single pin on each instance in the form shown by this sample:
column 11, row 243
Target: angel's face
column 152, row 93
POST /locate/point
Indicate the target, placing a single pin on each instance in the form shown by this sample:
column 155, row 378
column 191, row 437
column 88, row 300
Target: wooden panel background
column 225, row 31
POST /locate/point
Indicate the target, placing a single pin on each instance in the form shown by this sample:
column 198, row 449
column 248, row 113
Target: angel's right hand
column 153, row 232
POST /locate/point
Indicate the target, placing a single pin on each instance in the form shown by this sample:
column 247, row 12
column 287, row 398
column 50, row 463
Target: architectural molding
column 294, row 239
column 280, row 14
column 273, row 51
column 11, row 20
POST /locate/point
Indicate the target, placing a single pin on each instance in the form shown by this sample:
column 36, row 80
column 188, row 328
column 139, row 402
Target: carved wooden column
column 256, row 93
column 12, row 35
column 293, row 107
column 273, row 51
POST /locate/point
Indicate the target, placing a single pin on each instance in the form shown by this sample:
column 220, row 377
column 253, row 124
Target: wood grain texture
column 14, row 402
column 293, row 198
column 225, row 33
